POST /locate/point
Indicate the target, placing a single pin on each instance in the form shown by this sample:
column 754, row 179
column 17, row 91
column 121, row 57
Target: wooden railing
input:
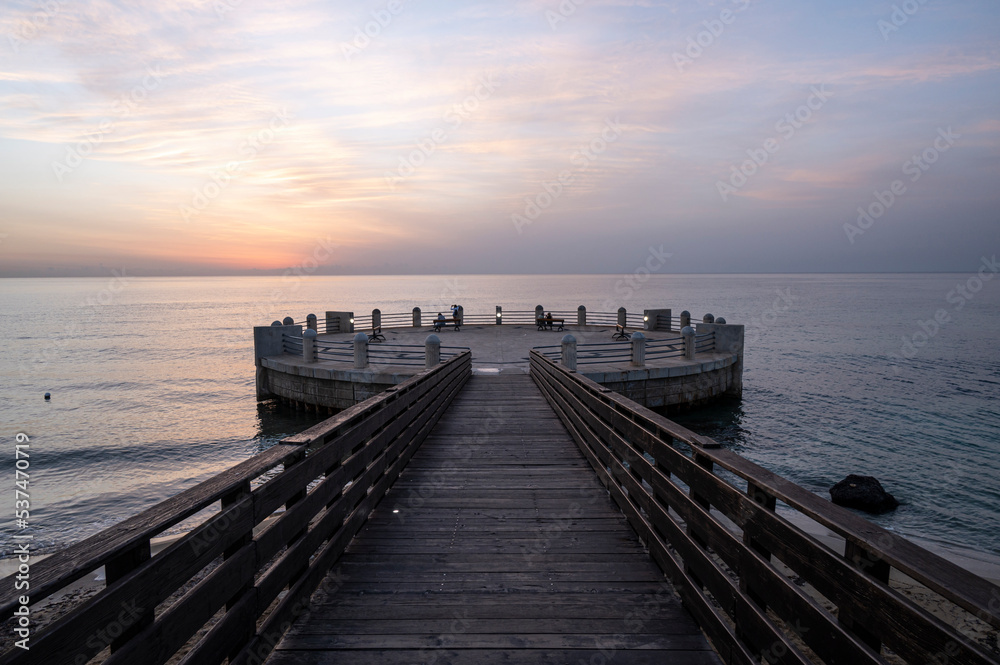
column 754, row 581
column 332, row 477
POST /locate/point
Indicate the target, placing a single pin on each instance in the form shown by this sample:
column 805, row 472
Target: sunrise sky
column 224, row 136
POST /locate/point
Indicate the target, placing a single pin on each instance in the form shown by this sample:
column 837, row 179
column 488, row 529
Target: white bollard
column 309, row 346
column 360, row 351
column 688, row 334
column 568, row 356
column 638, row 349
column 432, row 351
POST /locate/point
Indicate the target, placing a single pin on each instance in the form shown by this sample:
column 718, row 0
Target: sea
column 152, row 383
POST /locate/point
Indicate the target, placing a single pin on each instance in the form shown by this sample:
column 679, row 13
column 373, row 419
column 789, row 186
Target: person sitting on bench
column 546, row 322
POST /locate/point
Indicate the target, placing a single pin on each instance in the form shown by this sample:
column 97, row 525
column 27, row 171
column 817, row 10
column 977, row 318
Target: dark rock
column 864, row 493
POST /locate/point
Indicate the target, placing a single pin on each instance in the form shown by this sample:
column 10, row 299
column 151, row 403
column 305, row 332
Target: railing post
column 360, row 351
column 568, row 357
column 288, row 321
column 499, row 314
column 461, row 315
column 685, row 319
column 247, row 626
column 309, row 346
column 116, row 569
column 581, row 316
column 376, row 318
column 416, row 317
column 638, row 349
column 708, row 318
column 768, row 501
column 432, row 351
column 621, row 316
column 873, row 565
column 687, row 332
column 539, row 312
column 311, row 322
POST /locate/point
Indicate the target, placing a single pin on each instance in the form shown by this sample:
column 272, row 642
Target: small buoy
column 48, row 396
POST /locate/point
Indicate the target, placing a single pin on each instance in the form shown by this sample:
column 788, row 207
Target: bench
column 621, row 333
column 547, row 322
column 441, row 324
column 376, row 335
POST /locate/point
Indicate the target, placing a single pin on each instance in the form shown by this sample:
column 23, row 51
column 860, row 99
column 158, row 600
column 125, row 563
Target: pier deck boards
column 505, row 549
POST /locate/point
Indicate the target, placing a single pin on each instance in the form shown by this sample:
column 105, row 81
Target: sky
column 199, row 137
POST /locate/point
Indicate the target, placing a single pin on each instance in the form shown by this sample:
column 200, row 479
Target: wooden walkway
column 505, row 549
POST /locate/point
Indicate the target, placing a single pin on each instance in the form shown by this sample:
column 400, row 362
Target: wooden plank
column 453, row 550
column 920, row 635
column 386, row 467
column 72, row 563
column 951, row 581
column 138, row 592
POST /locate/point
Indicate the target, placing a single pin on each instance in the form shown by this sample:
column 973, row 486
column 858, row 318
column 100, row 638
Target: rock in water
column 864, row 493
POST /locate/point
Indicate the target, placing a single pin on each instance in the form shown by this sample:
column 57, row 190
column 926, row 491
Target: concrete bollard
column 568, row 356
column 638, row 349
column 708, row 318
column 581, row 316
column 688, row 334
column 685, row 319
column 311, row 322
column 539, row 312
column 288, row 321
column 499, row 314
column 622, row 316
column 309, row 345
column 376, row 318
column 416, row 317
column 721, row 321
column 432, row 351
column 360, row 351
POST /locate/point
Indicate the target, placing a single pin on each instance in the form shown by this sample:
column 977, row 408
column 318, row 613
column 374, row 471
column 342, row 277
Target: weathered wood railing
column 333, row 476
column 721, row 545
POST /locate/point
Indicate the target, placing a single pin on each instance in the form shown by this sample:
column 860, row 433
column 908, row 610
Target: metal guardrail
column 259, row 575
column 721, row 544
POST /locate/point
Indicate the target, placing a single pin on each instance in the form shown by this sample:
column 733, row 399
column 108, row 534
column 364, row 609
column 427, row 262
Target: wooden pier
column 497, row 545
column 462, row 518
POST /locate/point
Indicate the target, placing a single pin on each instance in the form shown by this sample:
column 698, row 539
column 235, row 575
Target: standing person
column 454, row 312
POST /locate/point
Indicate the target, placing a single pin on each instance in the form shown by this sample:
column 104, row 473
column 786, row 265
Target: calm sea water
column 152, row 382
